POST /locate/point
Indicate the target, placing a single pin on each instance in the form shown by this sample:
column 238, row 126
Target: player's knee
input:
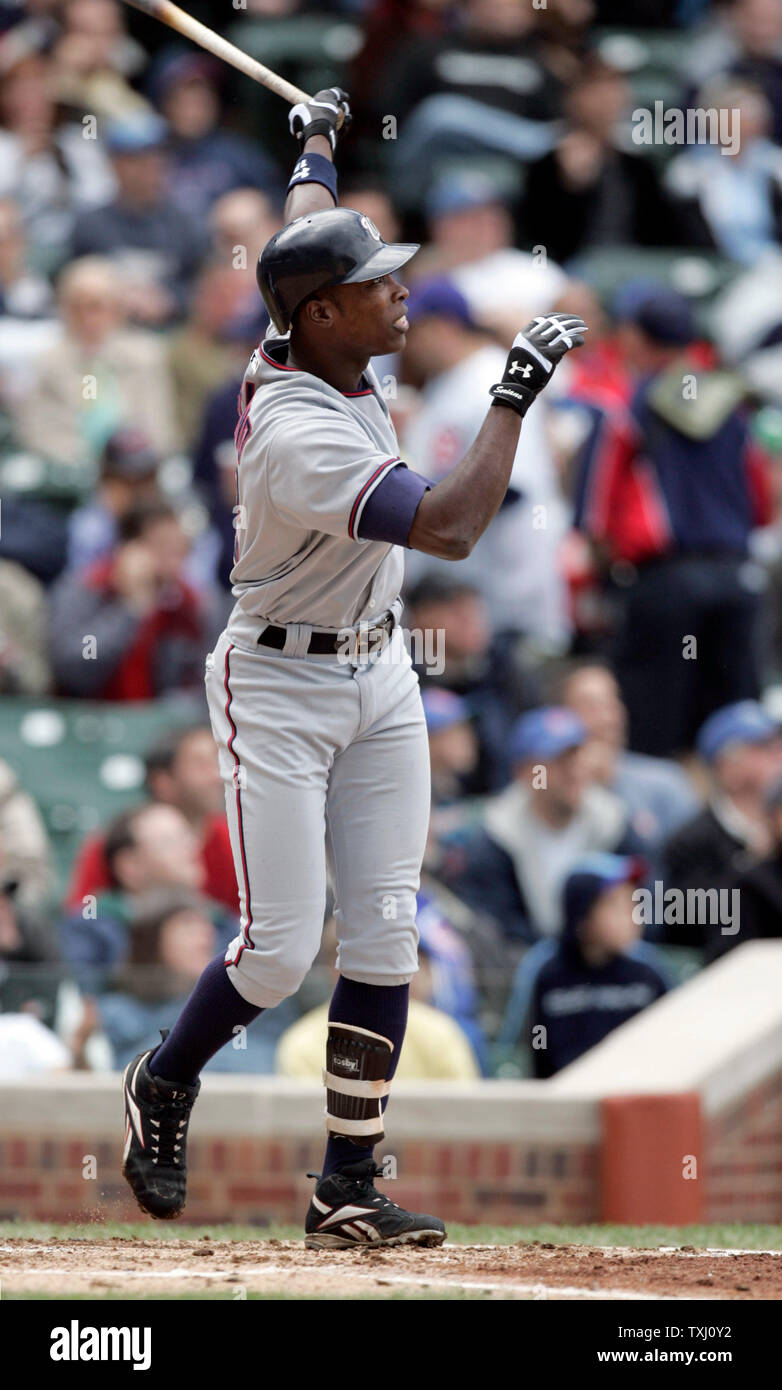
column 265, row 980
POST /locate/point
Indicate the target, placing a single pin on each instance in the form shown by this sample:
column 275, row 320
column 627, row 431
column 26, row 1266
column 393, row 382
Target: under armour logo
column 302, row 171
column 517, row 367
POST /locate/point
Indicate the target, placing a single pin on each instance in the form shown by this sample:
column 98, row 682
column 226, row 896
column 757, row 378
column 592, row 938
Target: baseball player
column 314, row 704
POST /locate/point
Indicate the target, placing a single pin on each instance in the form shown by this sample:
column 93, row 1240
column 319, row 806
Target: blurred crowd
column 602, row 677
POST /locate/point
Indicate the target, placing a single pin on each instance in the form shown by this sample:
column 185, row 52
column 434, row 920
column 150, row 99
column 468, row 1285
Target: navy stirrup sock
column 381, row 1009
column 206, row 1024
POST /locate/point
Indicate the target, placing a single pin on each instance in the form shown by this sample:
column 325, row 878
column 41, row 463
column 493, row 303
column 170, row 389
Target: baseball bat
column 214, row 43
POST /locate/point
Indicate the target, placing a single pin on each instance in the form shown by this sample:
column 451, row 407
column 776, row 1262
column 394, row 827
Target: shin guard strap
column 356, row 1068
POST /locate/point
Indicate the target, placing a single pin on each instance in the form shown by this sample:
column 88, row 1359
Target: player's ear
column 320, row 312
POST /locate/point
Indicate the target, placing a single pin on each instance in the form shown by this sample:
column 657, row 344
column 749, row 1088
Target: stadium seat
column 81, row 761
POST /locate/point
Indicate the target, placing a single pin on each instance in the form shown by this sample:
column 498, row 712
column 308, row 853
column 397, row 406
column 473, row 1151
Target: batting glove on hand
column 327, row 113
column 533, row 357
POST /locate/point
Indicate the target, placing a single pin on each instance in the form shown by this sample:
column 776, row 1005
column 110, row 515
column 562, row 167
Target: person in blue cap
column 760, row 888
column 741, row 746
column 669, row 491
column 160, row 245
column 513, row 864
column 453, row 745
column 206, row 160
column 599, row 975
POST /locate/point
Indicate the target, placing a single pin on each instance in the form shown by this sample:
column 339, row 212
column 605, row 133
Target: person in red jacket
column 182, row 771
column 668, row 492
column 130, row 626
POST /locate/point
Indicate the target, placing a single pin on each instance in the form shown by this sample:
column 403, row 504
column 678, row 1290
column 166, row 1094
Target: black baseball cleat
column 157, row 1114
column 347, row 1210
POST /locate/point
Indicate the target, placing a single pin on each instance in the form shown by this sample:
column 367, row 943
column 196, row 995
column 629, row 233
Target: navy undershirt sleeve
column 390, row 510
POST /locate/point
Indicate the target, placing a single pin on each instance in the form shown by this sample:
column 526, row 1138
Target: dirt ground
column 141, row 1268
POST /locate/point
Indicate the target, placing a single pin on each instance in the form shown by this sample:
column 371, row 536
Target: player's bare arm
column 454, row 514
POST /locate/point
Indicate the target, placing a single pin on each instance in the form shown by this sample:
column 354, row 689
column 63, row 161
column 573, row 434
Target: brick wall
column 458, row 1152
column 503, row 1152
column 261, row 1180
column 743, row 1178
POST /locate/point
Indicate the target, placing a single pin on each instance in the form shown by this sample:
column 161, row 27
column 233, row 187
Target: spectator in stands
column 733, row 194
column 181, row 771
column 656, row 793
column 25, row 852
column 204, row 161
column 669, row 493
column 240, row 223
column 47, row 167
column 742, row 747
column 451, row 986
column 201, row 356
column 513, row 865
column 453, row 746
column 31, row 975
column 95, row 59
column 127, row 475
column 372, row 197
column 97, row 377
column 24, row 293
column 29, row 1048
column 148, row 847
column 214, row 460
column 472, row 243
column 35, row 536
column 598, row 976
column 760, row 886
column 24, row 661
column 436, row 1048
column 748, row 43
column 453, row 647
column 129, row 626
column 172, row 938
column 485, row 86
column 159, row 246
column 587, row 192
column 492, row 957
column 514, row 565
column 602, row 376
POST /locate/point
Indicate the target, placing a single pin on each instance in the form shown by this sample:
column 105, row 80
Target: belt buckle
column 360, row 643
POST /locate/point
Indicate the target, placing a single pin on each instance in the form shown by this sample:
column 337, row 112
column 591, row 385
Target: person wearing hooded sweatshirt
column 512, row 865
column 599, row 975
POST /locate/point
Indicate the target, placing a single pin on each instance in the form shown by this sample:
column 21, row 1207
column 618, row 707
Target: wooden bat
column 214, row 43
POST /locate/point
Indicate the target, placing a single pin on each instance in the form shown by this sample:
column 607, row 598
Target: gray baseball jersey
column 309, row 458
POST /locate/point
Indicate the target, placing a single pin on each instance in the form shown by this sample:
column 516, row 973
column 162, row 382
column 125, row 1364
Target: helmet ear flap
column 276, row 309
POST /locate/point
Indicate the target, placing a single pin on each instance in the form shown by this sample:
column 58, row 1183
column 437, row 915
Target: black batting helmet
column 338, row 246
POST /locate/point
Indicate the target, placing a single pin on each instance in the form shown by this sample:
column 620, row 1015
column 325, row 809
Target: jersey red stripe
column 247, row 899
